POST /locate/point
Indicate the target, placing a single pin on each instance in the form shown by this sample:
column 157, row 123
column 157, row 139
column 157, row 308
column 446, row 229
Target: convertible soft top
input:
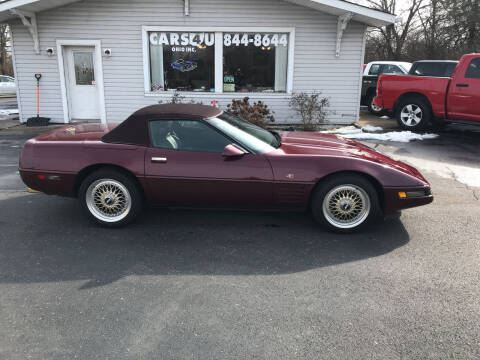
column 134, row 130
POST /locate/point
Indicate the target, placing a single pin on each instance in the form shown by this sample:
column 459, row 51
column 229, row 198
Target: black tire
column 372, row 108
column 343, row 182
column 115, row 187
column 413, row 114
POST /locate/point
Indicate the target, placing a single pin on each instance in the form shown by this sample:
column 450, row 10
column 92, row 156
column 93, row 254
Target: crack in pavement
column 455, row 178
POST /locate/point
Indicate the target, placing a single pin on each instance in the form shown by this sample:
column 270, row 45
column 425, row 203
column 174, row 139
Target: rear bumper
column 51, row 183
column 393, row 202
column 378, row 100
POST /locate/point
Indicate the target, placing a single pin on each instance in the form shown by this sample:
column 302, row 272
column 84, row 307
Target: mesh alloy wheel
column 346, row 206
column 108, row 200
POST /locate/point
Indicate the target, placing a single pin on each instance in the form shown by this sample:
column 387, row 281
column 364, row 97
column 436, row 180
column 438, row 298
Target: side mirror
column 231, row 152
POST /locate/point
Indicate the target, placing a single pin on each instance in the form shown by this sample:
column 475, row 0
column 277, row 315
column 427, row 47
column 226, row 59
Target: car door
column 184, row 167
column 370, row 81
column 464, row 92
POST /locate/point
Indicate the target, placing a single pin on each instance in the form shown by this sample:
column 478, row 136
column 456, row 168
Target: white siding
column 118, row 24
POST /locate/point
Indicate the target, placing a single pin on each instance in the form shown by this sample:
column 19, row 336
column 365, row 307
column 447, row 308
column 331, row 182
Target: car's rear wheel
column 110, row 198
column 345, row 203
column 413, row 114
column 374, row 109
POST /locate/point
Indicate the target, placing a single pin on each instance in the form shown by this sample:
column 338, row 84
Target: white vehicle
column 387, row 67
column 7, row 85
column 371, row 72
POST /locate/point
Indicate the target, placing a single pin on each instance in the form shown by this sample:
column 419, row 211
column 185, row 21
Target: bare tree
column 5, row 57
column 391, row 39
column 463, row 24
column 432, row 39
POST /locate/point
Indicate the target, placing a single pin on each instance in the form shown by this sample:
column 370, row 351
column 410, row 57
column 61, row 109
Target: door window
column 84, row 70
column 374, row 69
column 187, row 135
column 391, row 69
column 473, row 71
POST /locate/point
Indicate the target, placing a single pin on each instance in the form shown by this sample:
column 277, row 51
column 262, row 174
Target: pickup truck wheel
column 110, row 198
column 413, row 114
column 374, row 109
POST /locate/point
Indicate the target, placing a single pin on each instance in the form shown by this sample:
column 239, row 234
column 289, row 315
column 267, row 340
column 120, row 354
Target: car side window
column 391, row 69
column 374, row 69
column 186, row 135
column 473, row 70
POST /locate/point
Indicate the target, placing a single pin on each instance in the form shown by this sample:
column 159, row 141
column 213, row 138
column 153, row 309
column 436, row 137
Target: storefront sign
column 255, row 39
column 182, row 39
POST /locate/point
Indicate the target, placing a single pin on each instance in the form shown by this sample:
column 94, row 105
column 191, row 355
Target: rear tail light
column 48, row 177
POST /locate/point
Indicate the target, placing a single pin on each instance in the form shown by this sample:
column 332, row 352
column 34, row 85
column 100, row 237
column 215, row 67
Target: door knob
column 160, row 160
column 462, row 85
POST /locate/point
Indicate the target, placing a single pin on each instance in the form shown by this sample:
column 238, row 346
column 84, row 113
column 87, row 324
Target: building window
column 182, row 61
column 255, row 62
column 84, row 70
column 206, row 60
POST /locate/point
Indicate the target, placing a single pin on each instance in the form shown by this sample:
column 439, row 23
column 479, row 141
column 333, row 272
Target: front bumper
column 416, row 196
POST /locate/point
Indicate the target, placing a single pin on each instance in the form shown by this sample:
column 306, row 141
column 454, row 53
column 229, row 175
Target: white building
column 102, row 60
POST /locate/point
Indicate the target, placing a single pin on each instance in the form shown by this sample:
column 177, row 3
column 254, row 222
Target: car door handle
column 462, row 85
column 159, row 160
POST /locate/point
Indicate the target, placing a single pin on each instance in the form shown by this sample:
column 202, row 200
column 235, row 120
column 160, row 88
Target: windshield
column 254, row 137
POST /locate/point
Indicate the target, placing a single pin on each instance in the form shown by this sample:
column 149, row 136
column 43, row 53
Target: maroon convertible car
column 180, row 155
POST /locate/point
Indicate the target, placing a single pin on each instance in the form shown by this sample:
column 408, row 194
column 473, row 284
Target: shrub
column 178, row 98
column 311, row 108
column 258, row 113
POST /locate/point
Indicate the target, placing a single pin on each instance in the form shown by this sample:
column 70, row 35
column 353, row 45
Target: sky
column 401, row 4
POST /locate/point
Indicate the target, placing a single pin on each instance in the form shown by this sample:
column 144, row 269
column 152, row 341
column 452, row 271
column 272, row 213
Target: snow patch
column 349, row 130
column 368, row 132
column 371, row 128
column 7, row 112
column 397, row 136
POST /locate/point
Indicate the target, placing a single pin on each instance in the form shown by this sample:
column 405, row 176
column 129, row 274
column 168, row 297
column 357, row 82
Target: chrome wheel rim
column 375, row 107
column 346, row 206
column 411, row 115
column 108, row 200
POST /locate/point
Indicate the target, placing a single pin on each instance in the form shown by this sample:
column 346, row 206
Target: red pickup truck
column 417, row 101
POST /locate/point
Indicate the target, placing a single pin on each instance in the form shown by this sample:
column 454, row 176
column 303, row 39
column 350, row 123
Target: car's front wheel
column 345, row 203
column 110, row 198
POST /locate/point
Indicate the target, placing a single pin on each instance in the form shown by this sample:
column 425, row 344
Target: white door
column 82, row 90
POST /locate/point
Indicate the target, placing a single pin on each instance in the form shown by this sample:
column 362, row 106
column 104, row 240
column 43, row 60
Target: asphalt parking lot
column 245, row 285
